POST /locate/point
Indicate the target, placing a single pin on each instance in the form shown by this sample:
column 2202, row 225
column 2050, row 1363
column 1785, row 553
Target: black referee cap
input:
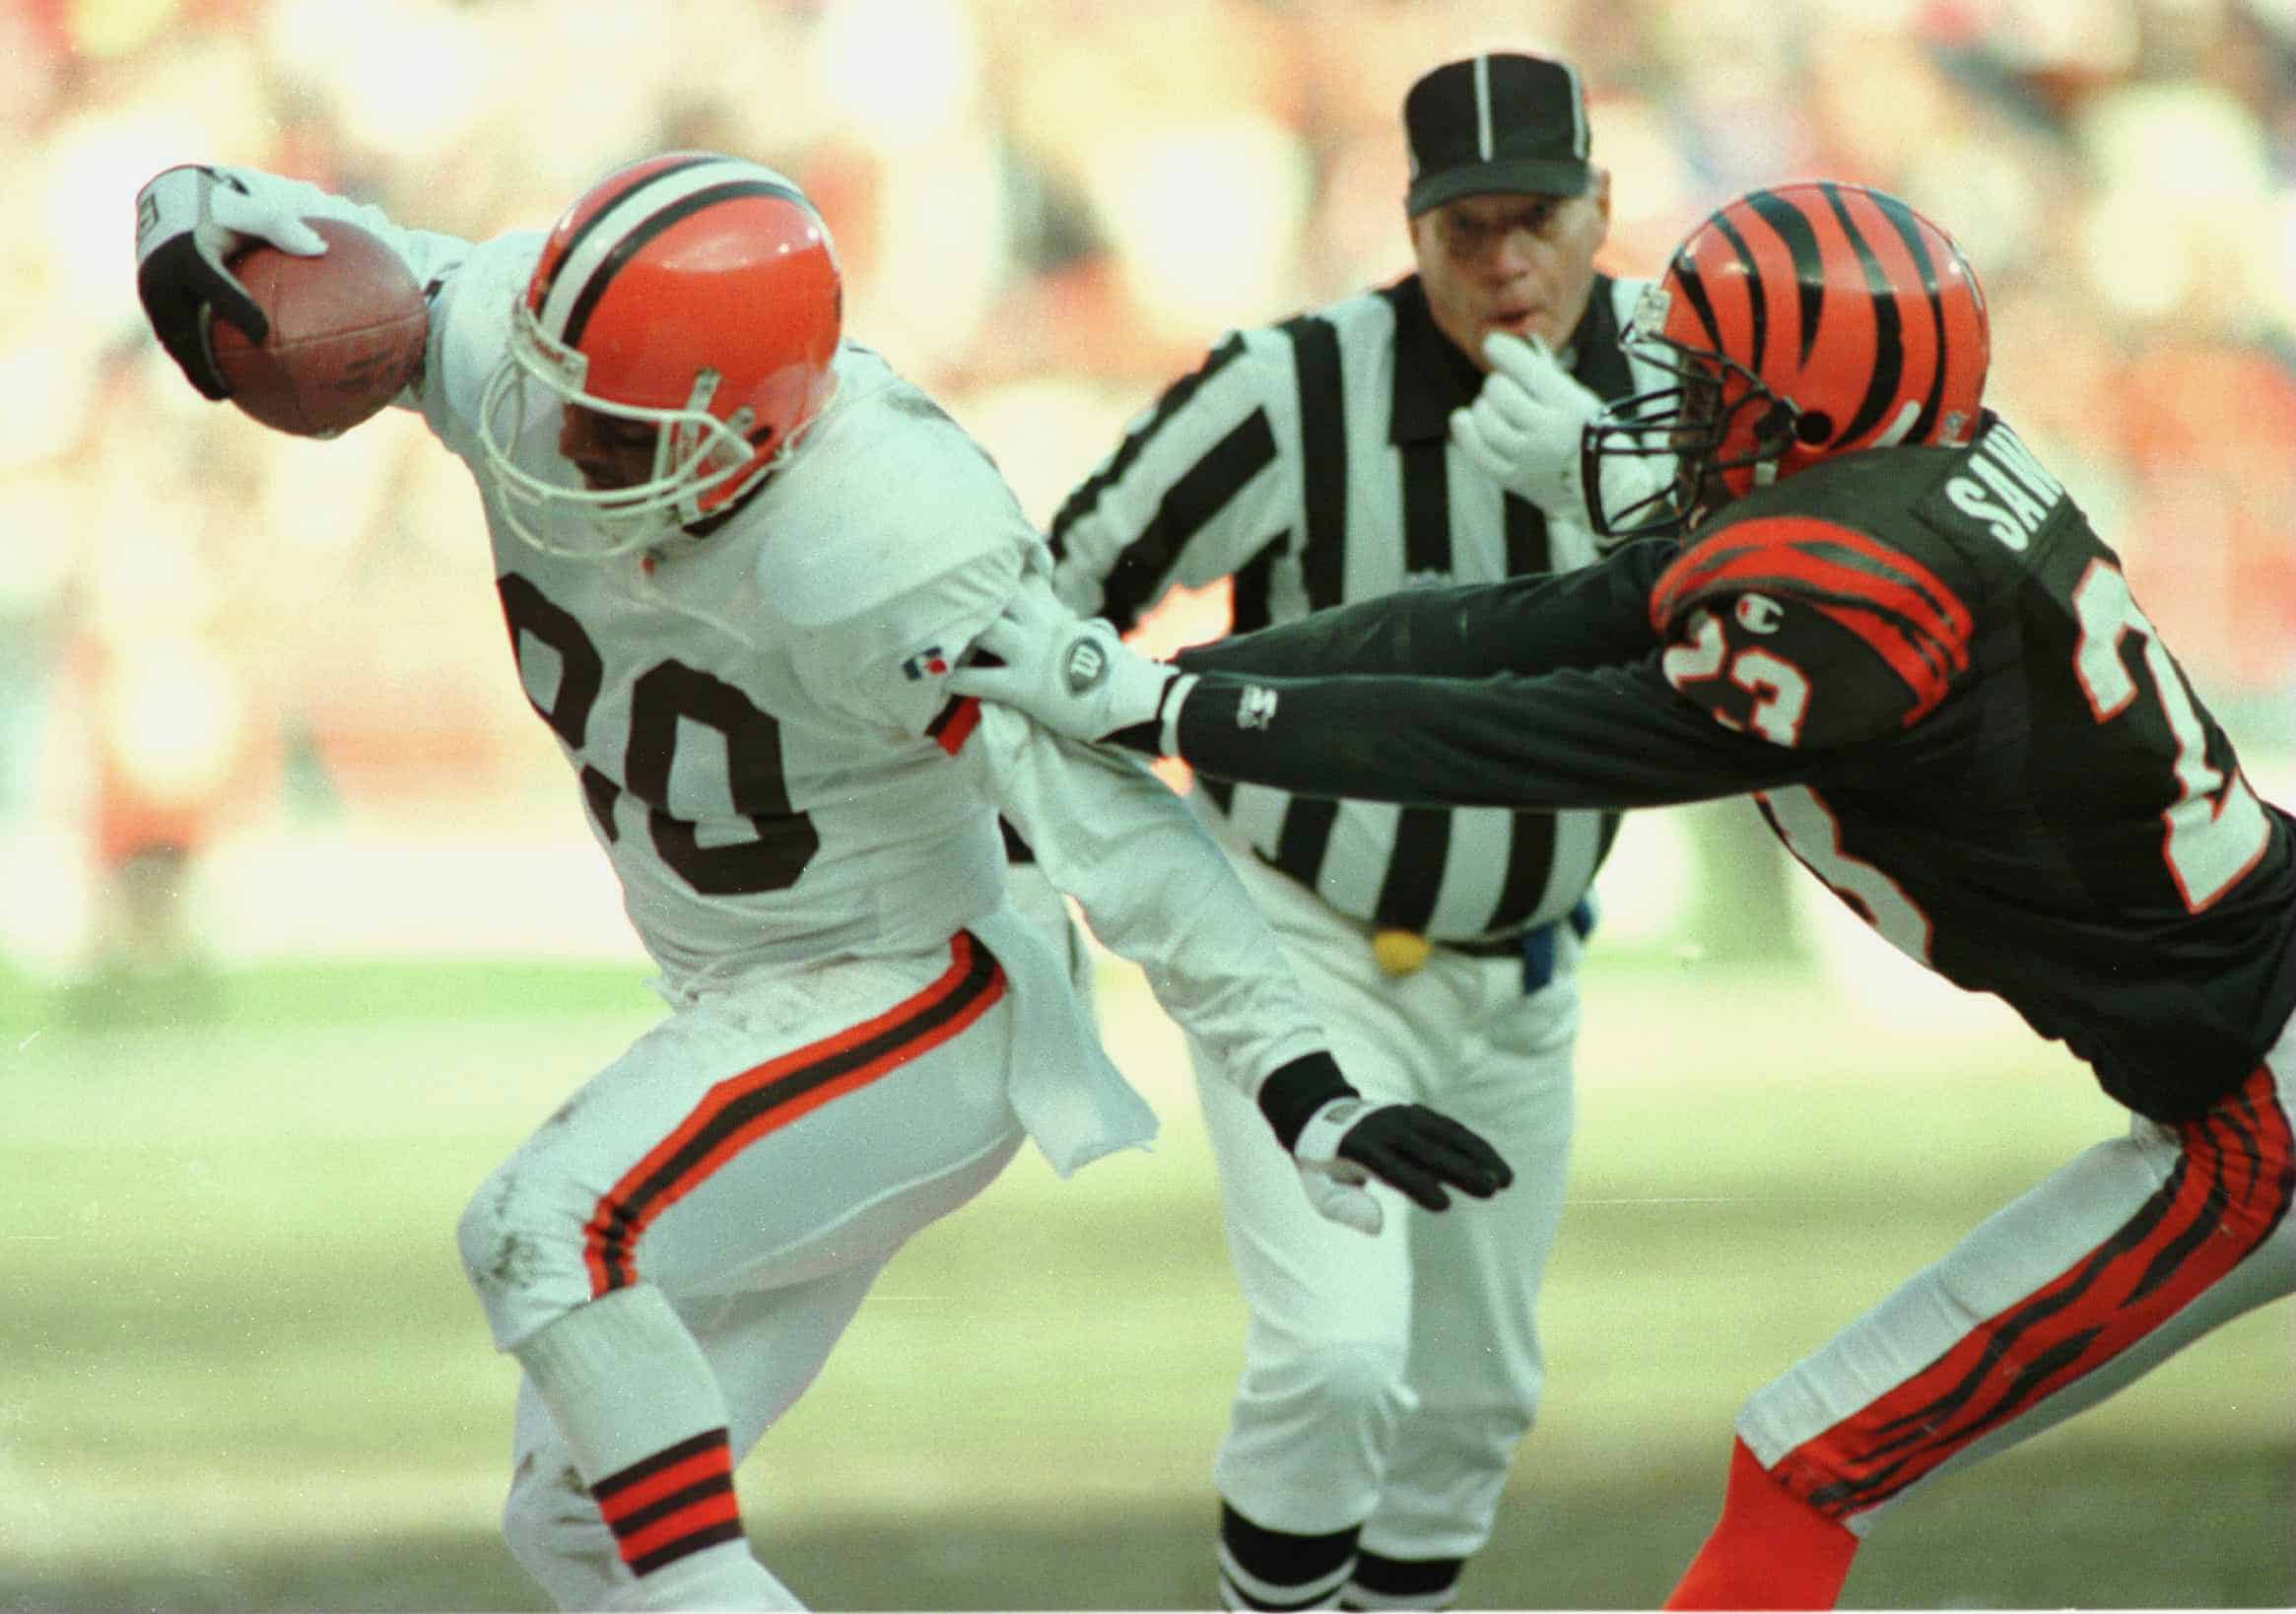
column 1498, row 122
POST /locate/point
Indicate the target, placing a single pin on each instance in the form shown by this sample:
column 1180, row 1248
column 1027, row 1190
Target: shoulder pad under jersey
column 1808, row 632
column 890, row 493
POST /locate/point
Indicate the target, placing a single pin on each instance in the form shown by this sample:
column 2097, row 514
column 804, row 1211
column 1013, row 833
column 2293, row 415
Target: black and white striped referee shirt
column 1310, row 461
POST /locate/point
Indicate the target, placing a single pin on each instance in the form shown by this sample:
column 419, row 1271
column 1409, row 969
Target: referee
column 1388, row 1382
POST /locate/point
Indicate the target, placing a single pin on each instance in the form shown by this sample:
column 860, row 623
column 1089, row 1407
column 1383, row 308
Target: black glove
column 190, row 222
column 1341, row 1140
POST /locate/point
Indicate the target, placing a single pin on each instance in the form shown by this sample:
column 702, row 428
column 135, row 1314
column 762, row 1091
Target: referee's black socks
column 1263, row 1569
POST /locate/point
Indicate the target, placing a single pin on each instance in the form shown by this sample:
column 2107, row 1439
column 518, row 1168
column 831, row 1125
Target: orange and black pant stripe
column 2228, row 1192
column 673, row 1504
column 742, row 1109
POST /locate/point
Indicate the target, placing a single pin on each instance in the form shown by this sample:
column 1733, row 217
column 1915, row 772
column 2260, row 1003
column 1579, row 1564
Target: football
column 347, row 333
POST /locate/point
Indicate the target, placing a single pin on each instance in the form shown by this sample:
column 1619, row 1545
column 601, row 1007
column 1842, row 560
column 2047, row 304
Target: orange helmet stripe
column 1801, row 275
column 1759, row 310
column 1807, row 250
column 1924, row 328
column 1887, row 376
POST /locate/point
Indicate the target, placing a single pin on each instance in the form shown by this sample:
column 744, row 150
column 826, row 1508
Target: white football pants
column 758, row 1157
column 1388, row 1380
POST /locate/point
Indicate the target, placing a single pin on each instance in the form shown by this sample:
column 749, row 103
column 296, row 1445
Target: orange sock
column 1768, row 1550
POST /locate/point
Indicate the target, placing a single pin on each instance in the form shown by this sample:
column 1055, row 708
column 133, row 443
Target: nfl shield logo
column 928, row 662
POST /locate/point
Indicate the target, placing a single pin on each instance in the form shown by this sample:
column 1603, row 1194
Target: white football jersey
column 752, row 713
column 758, row 719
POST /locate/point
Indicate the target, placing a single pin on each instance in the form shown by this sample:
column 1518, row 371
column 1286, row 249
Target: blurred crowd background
column 218, row 644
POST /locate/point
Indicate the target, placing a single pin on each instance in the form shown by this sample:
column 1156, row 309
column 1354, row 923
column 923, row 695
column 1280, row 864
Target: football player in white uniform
column 738, row 558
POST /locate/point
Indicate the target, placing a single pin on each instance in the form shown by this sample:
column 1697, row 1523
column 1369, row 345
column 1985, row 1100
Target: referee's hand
column 1525, row 424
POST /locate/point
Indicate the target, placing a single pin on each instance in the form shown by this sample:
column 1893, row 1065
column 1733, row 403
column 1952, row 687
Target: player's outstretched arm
column 1077, row 678
column 1158, row 891
column 1583, row 728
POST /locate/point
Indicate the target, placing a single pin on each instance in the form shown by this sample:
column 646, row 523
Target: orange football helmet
column 693, row 293
column 1804, row 321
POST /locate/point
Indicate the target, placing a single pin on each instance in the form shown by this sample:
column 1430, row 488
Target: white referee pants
column 1388, row 1380
column 2132, row 1250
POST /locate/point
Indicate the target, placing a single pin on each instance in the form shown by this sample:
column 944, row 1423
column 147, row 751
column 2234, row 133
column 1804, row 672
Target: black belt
column 1535, row 946
column 1581, row 918
column 1494, row 947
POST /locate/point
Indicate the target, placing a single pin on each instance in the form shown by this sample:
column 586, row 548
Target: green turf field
column 241, row 1371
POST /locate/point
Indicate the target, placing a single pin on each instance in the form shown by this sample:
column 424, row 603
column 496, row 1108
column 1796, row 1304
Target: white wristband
column 1174, row 696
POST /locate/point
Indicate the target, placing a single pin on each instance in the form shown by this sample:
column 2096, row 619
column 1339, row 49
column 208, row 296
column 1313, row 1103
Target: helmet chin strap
column 697, row 522
column 684, row 441
column 740, row 478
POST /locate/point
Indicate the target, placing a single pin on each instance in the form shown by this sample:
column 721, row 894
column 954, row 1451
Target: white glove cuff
column 171, row 203
column 1174, row 697
column 1319, row 1143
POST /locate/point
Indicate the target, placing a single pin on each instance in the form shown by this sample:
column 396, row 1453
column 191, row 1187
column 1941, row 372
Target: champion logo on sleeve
column 929, row 662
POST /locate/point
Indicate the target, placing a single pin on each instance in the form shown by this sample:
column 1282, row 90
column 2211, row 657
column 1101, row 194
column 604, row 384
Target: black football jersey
column 1931, row 672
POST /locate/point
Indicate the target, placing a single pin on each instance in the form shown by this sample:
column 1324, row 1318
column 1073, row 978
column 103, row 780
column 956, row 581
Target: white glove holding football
column 1525, row 424
column 1073, row 676
column 190, row 222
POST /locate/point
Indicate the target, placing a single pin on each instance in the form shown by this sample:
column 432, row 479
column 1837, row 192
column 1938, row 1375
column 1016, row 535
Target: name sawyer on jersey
column 2072, row 832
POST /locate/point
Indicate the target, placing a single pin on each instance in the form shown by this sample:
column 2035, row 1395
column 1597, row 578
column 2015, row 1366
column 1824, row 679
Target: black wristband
column 1295, row 1090
column 1145, row 738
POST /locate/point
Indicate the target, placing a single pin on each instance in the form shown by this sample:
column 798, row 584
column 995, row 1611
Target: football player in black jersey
column 1887, row 620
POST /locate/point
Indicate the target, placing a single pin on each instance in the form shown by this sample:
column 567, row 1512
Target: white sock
column 644, row 1420
column 623, row 1378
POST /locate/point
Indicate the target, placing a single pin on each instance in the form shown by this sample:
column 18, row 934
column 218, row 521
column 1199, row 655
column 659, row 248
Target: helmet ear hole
column 1813, row 427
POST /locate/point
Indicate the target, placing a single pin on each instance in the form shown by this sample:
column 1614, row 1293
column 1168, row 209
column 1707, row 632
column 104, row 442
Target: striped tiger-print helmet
column 691, row 292
column 1801, row 322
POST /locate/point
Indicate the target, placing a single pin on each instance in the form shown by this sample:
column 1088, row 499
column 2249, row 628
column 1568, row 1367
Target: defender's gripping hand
column 190, row 222
column 1346, row 1141
column 1525, row 424
column 1075, row 677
